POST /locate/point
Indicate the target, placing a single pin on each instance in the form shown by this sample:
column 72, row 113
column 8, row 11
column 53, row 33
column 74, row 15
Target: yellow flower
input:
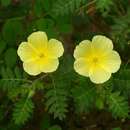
column 40, row 55
column 96, row 59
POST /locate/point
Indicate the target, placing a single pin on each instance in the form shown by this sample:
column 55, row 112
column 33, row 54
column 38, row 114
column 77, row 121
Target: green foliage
column 59, row 90
column 13, row 83
column 64, row 27
column 118, row 105
column 57, row 101
column 45, row 122
column 99, row 103
column 121, row 25
column 116, row 128
column 66, row 7
column 63, row 91
column 1, row 113
column 55, row 127
column 104, row 5
column 23, row 110
column 10, row 126
column 122, row 82
column 84, row 96
column 5, row 2
column 12, row 30
column 38, row 8
column 46, row 25
column 10, row 57
column 2, row 46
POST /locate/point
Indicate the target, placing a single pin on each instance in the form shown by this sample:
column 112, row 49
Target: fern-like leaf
column 13, row 82
column 56, row 102
column 23, row 110
column 84, row 96
column 122, row 82
column 118, row 105
column 65, row 7
column 104, row 5
column 121, row 25
column 59, row 89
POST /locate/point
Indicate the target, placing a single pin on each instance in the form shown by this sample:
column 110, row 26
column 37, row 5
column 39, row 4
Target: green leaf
column 47, row 5
column 22, row 111
column 122, row 82
column 124, row 74
column 65, row 73
column 66, row 7
column 2, row 46
column 104, row 5
column 65, row 28
column 10, row 83
column 45, row 122
column 117, row 128
column 59, row 89
column 121, row 25
column 55, row 127
column 10, row 57
column 18, row 72
column 56, row 102
column 2, row 112
column 123, row 86
column 46, row 25
column 38, row 7
column 5, row 2
column 84, row 95
column 99, row 103
column 7, row 72
column 118, row 105
column 12, row 30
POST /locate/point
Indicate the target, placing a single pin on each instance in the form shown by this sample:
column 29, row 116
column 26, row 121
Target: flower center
column 41, row 55
column 95, row 60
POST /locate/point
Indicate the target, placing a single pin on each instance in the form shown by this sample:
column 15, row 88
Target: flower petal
column 112, row 62
column 102, row 42
column 49, row 65
column 82, row 67
column 54, row 49
column 82, row 49
column 41, row 65
column 99, row 75
column 26, row 53
column 38, row 40
column 32, row 68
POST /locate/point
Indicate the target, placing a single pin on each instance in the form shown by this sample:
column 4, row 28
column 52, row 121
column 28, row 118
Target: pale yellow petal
column 38, row 41
column 112, row 62
column 82, row 67
column 41, row 65
column 82, row 49
column 26, row 53
column 99, row 75
column 54, row 49
column 49, row 65
column 32, row 68
column 102, row 42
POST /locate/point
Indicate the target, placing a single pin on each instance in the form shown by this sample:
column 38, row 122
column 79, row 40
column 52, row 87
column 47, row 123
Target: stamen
column 41, row 55
column 95, row 60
